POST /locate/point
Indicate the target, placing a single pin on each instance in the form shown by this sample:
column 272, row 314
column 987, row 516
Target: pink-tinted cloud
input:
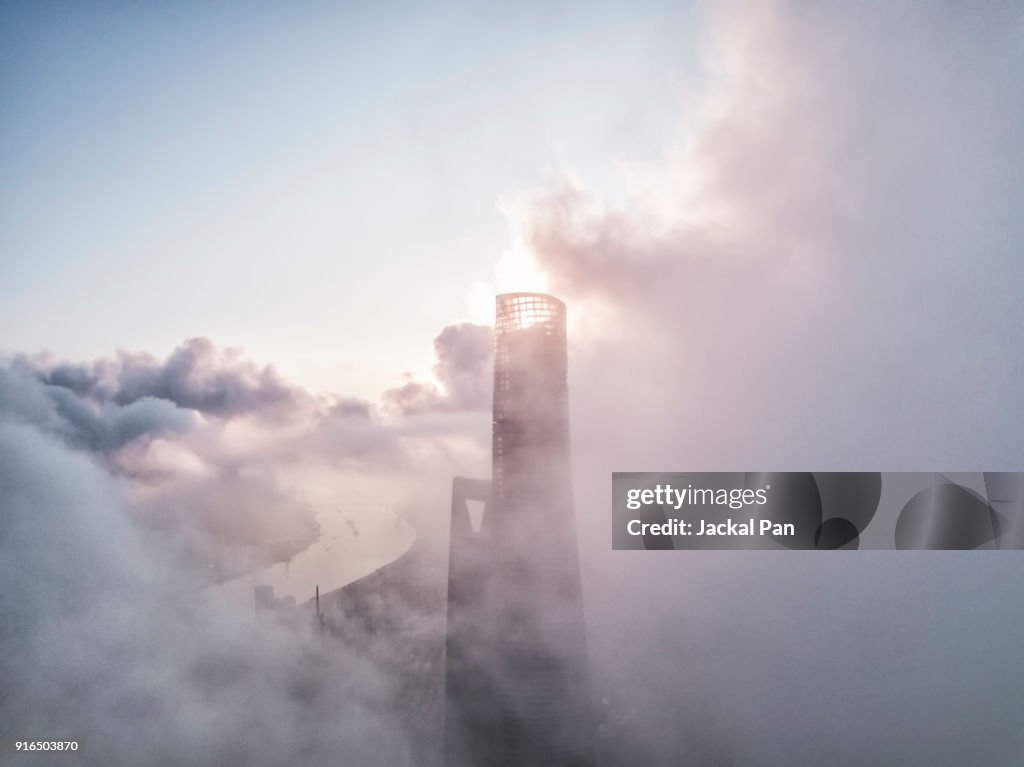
column 825, row 266
column 464, row 355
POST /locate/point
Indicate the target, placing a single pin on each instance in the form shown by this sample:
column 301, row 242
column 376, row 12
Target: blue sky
column 818, row 266
column 318, row 183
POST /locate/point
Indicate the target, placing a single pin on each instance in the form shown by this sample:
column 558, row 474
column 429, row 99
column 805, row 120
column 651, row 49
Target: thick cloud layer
column 106, row 642
column 214, row 452
column 464, row 363
column 104, row 426
column 823, row 275
column 127, row 485
column 196, row 376
column 829, row 259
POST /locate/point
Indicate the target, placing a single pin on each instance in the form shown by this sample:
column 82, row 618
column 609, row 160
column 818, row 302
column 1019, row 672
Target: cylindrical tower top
column 531, row 400
column 518, row 311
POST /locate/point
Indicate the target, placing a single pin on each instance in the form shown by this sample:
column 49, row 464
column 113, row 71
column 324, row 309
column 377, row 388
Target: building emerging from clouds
column 517, row 691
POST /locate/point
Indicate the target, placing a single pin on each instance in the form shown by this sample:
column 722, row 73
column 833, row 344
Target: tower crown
column 518, row 311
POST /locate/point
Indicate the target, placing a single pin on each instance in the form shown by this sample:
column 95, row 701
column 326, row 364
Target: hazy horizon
column 249, row 260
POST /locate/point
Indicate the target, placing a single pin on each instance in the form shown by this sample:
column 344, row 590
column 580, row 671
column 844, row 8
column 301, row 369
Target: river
column 355, row 540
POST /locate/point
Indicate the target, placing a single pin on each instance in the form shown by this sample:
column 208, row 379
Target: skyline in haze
column 788, row 237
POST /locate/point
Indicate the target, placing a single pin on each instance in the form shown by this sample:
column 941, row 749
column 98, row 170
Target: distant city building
column 265, row 601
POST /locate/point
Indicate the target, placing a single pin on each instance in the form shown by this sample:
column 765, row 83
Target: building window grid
column 518, row 312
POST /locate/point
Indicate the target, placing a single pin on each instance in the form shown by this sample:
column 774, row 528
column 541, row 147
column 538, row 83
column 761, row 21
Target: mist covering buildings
column 806, row 253
column 517, row 689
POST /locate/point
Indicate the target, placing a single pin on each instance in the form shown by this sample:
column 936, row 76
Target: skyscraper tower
column 516, row 677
